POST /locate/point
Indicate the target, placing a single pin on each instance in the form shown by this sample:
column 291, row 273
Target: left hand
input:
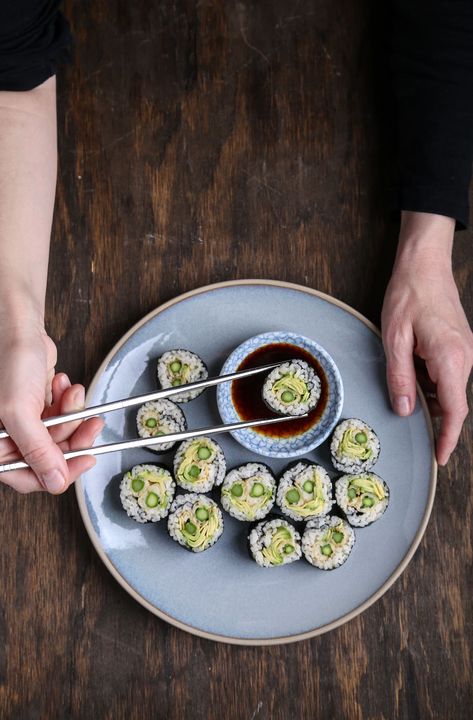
column 422, row 315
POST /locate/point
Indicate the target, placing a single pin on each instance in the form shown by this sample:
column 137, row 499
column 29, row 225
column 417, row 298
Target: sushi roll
column 146, row 492
column 195, row 522
column 363, row 498
column 293, row 388
column 355, row 446
column 160, row 417
column 274, row 542
column 305, row 491
column 327, row 542
column 248, row 491
column 179, row 367
column 199, row 464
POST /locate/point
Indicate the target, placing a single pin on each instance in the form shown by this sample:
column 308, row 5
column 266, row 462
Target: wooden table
column 204, row 141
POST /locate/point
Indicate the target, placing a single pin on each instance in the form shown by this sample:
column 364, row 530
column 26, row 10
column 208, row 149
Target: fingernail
column 64, row 382
column 402, row 405
column 54, row 480
column 79, row 399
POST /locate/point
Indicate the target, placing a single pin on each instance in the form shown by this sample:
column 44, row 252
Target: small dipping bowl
column 242, row 399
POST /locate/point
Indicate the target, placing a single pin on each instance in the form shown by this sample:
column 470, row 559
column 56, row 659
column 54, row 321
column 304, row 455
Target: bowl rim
column 245, row 437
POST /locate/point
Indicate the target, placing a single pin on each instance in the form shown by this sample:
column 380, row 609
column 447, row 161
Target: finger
column 451, row 395
column 25, row 481
column 60, row 383
column 72, row 399
column 84, row 436
column 36, row 446
column 400, row 374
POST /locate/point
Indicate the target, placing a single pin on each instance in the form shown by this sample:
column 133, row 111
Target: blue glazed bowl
column 285, row 446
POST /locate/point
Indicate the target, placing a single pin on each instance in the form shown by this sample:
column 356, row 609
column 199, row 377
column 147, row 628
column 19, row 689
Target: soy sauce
column 247, row 392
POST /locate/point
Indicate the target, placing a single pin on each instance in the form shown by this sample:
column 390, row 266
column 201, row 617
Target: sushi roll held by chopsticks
column 293, row 388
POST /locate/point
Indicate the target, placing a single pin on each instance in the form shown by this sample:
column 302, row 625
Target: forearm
column 28, row 161
column 425, row 242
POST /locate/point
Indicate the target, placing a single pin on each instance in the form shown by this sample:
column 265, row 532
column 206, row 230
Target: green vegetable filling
column 257, row 490
column 175, row 366
column 278, row 547
column 152, row 500
column 292, row 496
column 199, row 532
column 354, row 445
column 365, row 491
column 202, row 514
column 195, row 463
column 337, row 536
column 203, row 453
column 150, row 487
column 137, row 484
column 151, row 422
column 190, row 528
column 287, row 396
column 248, row 495
column 290, row 388
column 302, row 505
column 326, row 550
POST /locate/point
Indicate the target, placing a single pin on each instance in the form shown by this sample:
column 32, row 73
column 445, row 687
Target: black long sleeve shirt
column 431, row 60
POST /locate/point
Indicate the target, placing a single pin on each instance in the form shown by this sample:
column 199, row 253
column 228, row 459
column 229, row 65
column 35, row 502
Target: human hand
column 29, row 390
column 422, row 316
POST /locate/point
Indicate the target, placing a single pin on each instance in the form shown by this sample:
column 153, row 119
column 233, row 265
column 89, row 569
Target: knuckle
column 463, row 410
column 37, row 454
column 396, row 337
column 457, row 352
column 398, row 380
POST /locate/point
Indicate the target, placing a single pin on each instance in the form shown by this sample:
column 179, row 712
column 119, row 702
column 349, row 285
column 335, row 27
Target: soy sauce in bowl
column 246, row 394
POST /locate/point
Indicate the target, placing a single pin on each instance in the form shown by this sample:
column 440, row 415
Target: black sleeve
column 432, row 66
column 34, row 37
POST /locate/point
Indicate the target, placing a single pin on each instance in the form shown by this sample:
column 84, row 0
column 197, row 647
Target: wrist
column 19, row 309
column 425, row 243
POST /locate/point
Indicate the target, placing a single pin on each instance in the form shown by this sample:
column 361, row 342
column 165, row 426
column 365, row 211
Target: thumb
column 400, row 371
column 38, row 449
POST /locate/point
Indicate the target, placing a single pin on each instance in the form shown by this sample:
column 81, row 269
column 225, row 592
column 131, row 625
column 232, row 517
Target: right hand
column 29, row 390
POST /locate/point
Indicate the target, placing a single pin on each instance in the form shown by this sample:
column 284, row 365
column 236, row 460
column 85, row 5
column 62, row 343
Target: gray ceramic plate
column 221, row 594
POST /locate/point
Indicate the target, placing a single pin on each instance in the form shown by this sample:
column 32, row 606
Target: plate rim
column 280, row 640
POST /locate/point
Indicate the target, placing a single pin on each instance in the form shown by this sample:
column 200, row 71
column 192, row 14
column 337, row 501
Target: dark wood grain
column 205, row 141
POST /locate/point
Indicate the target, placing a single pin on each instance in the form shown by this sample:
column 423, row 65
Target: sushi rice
column 195, row 522
column 248, row 491
column 305, row 491
column 363, row 498
column 199, row 464
column 354, row 447
column 160, row 417
column 327, row 542
column 274, row 542
column 292, row 388
column 179, row 367
column 146, row 492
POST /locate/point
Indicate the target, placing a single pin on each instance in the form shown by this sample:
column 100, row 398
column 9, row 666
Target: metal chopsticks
column 140, row 399
column 146, row 442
